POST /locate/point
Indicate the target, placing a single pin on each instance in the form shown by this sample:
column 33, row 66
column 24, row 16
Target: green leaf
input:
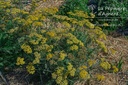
column 119, row 66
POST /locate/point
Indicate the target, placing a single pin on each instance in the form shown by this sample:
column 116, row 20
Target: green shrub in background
column 70, row 5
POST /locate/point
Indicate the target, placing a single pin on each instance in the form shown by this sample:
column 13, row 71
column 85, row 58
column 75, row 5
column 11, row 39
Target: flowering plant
column 58, row 54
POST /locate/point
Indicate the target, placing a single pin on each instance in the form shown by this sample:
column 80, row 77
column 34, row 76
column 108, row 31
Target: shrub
column 59, row 55
column 70, row 5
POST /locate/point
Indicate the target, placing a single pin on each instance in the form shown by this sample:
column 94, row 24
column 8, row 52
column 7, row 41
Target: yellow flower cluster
column 74, row 47
column 13, row 30
column 115, row 69
column 26, row 48
column 30, row 68
column 84, row 74
column 61, row 17
column 49, row 10
column 98, row 31
column 100, row 77
column 79, row 13
column 62, row 56
column 43, row 41
column 37, row 24
column 35, row 38
column 20, row 61
column 5, row 4
column 91, row 62
column 73, row 40
column 105, row 65
column 64, row 82
column 51, row 33
column 90, row 25
column 15, row 11
column 102, row 45
column 48, row 48
column 49, row 56
column 66, row 24
column 71, row 70
column 37, row 58
column 92, row 15
column 105, row 24
column 35, row 19
column 58, row 76
column 83, row 67
column 44, row 47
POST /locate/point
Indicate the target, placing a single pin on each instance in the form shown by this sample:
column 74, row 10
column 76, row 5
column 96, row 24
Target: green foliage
column 119, row 66
column 118, row 21
column 70, row 5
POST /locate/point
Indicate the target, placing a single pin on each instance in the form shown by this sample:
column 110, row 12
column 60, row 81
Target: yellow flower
column 26, row 48
column 15, row 11
column 102, row 45
column 35, row 38
column 70, row 66
column 82, row 67
column 81, row 43
column 59, row 79
column 50, row 10
column 43, row 31
column 54, row 75
column 100, row 77
column 66, row 24
column 37, row 55
column 49, row 56
column 36, row 61
column 83, row 74
column 64, row 82
column 37, row 24
column 42, row 18
column 51, row 33
column 20, row 61
column 72, row 29
column 91, row 62
column 74, row 47
column 105, row 24
column 102, row 59
column 30, row 68
column 115, row 69
column 72, row 72
column 69, row 42
column 105, row 65
column 59, row 70
column 43, row 40
column 92, row 15
column 44, row 0
column 33, row 17
column 11, row 31
column 90, row 25
column 48, row 48
column 62, row 56
column 112, row 51
column 34, row 42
